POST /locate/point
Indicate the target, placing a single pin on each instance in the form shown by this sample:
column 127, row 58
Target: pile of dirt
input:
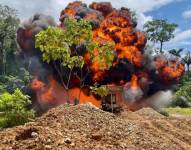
column 84, row 127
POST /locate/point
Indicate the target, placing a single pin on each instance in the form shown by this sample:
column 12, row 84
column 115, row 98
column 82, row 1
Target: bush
column 185, row 91
column 10, row 83
column 14, row 109
column 180, row 101
column 183, row 95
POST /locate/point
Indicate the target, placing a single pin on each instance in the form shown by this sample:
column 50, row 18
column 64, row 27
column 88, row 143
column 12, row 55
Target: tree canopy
column 8, row 26
column 160, row 31
column 176, row 52
column 187, row 60
column 60, row 45
column 14, row 109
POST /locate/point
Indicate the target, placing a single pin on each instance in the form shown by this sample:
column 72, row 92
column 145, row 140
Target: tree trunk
column 67, row 86
column 2, row 58
column 161, row 47
column 1, row 67
column 188, row 67
column 2, row 63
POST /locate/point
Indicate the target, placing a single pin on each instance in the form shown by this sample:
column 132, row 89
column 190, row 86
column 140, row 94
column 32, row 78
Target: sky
column 175, row 11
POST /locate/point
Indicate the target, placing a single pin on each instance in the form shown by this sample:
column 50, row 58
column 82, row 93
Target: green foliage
column 24, row 75
column 176, row 52
column 185, row 91
column 160, row 31
column 77, row 32
column 179, row 111
column 105, row 54
column 59, row 45
column 180, row 101
column 186, row 80
column 163, row 112
column 9, row 83
column 187, row 60
column 101, row 91
column 14, row 109
column 8, row 26
column 56, row 43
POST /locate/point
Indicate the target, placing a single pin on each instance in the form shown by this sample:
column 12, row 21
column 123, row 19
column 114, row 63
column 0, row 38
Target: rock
column 34, row 134
column 48, row 147
column 96, row 136
column 123, row 145
column 48, row 141
column 68, row 141
column 72, row 144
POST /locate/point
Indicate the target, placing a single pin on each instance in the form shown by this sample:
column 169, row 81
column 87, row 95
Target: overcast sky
column 176, row 11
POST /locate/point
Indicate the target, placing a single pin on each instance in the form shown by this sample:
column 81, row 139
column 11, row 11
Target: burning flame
column 53, row 93
column 134, row 82
column 36, row 84
column 169, row 70
column 114, row 26
column 129, row 68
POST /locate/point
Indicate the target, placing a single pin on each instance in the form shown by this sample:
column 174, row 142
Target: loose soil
column 84, row 127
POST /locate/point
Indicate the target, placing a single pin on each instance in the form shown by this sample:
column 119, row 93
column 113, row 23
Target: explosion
column 141, row 75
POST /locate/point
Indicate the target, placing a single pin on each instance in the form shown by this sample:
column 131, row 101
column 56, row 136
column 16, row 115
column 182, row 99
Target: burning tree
column 60, row 46
column 93, row 45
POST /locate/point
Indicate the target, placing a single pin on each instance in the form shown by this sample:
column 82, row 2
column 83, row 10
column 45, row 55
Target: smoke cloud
column 141, row 74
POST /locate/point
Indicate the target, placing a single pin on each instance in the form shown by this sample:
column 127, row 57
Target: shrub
column 183, row 95
column 14, row 109
column 185, row 91
column 180, row 101
column 10, row 83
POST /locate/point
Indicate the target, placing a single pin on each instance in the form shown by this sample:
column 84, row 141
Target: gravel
column 84, row 127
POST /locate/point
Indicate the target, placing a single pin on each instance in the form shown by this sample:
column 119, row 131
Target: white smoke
column 132, row 94
column 160, row 99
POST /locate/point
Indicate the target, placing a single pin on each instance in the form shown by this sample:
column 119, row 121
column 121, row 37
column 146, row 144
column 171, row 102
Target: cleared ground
column 84, row 127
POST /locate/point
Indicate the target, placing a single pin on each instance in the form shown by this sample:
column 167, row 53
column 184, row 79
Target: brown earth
column 85, row 127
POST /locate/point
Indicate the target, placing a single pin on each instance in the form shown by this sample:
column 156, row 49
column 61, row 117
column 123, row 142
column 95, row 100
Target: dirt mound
column 84, row 127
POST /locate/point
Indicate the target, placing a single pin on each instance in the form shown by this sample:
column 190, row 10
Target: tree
column 9, row 83
column 14, row 109
column 8, row 26
column 102, row 91
column 187, row 61
column 60, row 46
column 160, row 31
column 176, row 52
column 185, row 91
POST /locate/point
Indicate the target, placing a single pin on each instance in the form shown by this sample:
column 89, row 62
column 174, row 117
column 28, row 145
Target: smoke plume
column 141, row 74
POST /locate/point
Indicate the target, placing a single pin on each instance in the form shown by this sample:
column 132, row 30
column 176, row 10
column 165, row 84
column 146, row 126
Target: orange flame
column 114, row 26
column 36, row 84
column 134, row 82
column 173, row 71
column 77, row 93
column 54, row 94
column 169, row 70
